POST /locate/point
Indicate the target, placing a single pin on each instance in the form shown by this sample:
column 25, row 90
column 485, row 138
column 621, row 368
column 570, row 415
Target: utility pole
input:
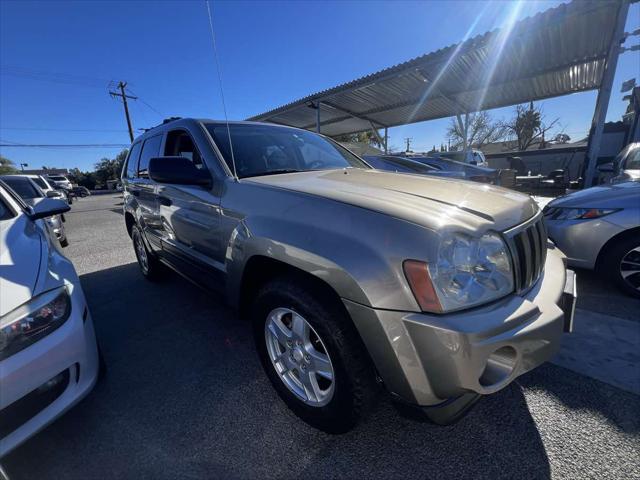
column 408, row 141
column 121, row 86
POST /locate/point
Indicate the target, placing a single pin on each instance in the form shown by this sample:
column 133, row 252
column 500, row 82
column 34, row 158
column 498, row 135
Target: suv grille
column 528, row 244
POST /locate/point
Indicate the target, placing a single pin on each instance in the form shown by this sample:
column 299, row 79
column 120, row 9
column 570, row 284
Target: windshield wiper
column 276, row 172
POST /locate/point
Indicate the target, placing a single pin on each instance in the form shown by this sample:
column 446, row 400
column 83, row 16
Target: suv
column 59, row 181
column 352, row 277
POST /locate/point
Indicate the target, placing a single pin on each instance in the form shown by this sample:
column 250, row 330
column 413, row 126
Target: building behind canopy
column 567, row 49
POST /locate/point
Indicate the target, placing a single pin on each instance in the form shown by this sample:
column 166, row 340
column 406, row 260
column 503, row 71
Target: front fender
column 360, row 264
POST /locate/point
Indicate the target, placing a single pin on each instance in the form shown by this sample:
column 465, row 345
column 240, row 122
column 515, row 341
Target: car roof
column 173, row 123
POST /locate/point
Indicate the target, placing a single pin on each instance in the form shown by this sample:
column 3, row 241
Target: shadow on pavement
column 185, row 397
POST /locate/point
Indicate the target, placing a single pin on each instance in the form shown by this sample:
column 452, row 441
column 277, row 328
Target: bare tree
column 529, row 125
column 474, row 130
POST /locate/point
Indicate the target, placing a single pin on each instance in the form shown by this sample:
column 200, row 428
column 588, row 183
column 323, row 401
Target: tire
column 619, row 260
column 149, row 264
column 352, row 391
column 64, row 243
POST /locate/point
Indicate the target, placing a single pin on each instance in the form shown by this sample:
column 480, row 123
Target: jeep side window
column 132, row 161
column 150, row 149
column 180, row 144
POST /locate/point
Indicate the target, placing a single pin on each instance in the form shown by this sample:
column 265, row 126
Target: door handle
column 166, row 201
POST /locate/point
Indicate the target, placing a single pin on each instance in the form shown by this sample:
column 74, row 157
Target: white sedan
column 48, row 351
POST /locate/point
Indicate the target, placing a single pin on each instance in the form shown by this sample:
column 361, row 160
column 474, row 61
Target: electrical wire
column 224, row 107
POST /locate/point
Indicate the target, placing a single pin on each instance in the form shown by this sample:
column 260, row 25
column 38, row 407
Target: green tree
column 110, row 168
column 7, row 166
column 84, row 179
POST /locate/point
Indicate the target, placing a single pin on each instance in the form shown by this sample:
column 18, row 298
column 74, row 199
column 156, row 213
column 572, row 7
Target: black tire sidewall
column 153, row 267
column 344, row 409
column 612, row 260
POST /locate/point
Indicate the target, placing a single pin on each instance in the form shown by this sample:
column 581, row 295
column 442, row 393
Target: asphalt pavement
column 185, row 397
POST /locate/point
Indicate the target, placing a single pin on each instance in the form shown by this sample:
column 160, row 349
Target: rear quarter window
column 150, row 149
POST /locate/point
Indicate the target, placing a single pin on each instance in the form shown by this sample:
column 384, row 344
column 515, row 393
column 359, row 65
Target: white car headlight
column 33, row 320
column 468, row 271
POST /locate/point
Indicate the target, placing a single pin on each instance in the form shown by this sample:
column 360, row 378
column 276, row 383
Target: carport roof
column 559, row 51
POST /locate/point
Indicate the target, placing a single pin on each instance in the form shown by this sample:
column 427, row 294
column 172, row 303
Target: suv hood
column 431, row 202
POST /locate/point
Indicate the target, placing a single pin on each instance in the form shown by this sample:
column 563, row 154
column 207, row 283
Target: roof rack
column 164, row 122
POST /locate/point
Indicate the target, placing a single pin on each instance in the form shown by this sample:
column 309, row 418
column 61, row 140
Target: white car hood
column 21, row 250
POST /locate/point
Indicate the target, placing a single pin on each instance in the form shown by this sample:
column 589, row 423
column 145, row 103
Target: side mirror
column 48, row 207
column 606, row 168
column 177, row 170
column 53, row 194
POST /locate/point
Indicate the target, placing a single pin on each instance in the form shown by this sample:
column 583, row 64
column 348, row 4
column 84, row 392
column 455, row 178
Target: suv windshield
column 264, row 150
column 57, row 178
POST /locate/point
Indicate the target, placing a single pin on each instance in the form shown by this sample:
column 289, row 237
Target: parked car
column 470, row 157
column 626, row 166
column 406, row 165
column 599, row 228
column 60, row 181
column 48, row 353
column 80, row 191
column 46, row 187
column 443, row 290
column 471, row 172
column 29, row 191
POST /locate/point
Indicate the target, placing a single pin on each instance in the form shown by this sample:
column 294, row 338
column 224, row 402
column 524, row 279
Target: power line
column 161, row 115
column 62, row 145
column 54, row 77
column 37, row 129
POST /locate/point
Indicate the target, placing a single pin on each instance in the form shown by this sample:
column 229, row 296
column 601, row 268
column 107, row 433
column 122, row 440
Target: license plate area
column 568, row 300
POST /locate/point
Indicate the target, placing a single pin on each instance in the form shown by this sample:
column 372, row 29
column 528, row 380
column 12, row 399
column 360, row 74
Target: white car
column 48, row 352
column 59, row 181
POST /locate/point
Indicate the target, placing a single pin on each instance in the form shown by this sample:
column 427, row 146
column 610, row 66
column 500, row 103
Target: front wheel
column 312, row 354
column 621, row 264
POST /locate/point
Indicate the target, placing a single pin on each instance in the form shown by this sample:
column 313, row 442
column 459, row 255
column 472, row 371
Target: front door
column 190, row 218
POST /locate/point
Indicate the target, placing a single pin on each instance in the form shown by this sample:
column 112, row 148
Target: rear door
column 190, row 217
column 147, row 195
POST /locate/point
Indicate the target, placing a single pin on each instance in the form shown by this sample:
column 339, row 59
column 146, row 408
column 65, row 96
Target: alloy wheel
column 630, row 268
column 299, row 357
column 141, row 252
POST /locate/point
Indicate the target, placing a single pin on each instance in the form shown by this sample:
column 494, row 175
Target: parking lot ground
column 185, row 397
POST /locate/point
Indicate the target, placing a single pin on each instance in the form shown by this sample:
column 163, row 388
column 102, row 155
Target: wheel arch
column 612, row 241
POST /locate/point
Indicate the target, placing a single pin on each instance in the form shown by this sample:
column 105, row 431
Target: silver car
column 441, row 290
column 599, row 228
column 626, row 166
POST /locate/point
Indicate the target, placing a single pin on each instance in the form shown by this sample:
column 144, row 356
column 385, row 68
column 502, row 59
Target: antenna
column 224, row 107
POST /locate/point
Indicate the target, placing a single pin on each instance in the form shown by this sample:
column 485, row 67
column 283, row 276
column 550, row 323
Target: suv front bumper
column 427, row 359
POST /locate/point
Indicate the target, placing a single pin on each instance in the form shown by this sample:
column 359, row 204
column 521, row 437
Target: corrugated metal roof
column 553, row 53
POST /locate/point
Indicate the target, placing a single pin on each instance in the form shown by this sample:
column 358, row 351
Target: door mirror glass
column 177, row 170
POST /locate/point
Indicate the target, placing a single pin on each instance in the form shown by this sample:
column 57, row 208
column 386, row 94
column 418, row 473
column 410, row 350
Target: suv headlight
column 468, row 271
column 35, row 319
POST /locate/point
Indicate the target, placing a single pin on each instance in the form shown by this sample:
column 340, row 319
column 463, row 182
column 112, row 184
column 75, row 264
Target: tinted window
column 23, row 187
column 132, row 161
column 265, row 149
column 180, row 144
column 5, row 213
column 40, row 182
column 633, row 160
column 150, row 149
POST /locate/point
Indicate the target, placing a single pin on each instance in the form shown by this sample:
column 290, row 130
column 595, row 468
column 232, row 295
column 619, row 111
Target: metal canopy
column 556, row 52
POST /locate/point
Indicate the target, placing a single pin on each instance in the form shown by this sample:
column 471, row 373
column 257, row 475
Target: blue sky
column 57, row 59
